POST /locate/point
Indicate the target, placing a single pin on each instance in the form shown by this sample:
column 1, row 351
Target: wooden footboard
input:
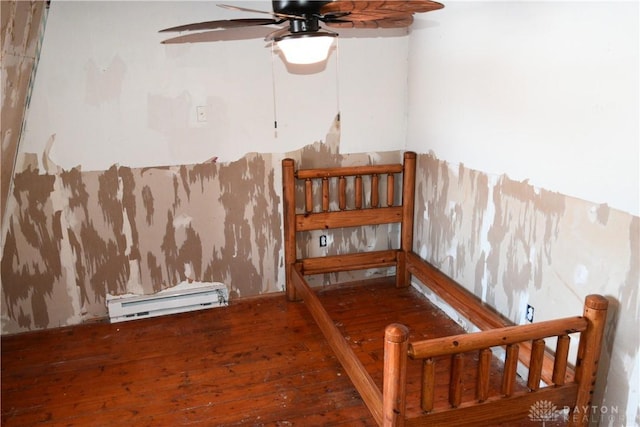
column 542, row 402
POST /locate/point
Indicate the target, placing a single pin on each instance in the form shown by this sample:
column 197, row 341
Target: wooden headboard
column 348, row 206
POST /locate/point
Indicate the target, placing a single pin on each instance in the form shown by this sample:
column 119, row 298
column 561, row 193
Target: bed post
column 406, row 238
column 595, row 311
column 396, row 345
column 289, row 218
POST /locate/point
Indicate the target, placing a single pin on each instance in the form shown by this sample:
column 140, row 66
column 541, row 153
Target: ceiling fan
column 300, row 23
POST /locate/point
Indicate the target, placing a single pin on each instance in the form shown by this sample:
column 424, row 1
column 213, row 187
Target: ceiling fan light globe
column 305, row 49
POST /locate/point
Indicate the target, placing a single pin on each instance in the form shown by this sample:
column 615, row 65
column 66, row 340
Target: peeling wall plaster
column 22, row 23
column 75, row 236
column 511, row 244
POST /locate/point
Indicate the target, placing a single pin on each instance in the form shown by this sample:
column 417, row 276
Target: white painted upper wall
column 541, row 91
column 544, row 91
column 111, row 93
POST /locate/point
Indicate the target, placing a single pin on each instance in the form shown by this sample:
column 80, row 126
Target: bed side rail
column 509, row 404
column 362, row 381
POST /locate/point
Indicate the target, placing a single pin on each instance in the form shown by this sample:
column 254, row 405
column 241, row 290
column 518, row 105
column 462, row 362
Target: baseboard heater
column 179, row 299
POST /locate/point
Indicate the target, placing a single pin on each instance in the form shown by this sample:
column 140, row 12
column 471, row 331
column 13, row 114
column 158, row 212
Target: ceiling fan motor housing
column 308, row 11
column 300, row 7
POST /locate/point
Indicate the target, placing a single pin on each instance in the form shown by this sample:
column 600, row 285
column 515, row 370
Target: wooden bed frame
column 551, row 377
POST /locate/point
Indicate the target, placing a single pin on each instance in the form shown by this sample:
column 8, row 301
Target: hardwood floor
column 259, row 361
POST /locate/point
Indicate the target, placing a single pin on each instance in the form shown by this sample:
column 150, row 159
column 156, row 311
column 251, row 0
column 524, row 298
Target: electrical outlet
column 201, row 113
column 529, row 314
column 323, row 241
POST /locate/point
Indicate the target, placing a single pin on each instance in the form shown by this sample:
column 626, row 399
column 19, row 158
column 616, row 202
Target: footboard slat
column 509, row 368
column 535, row 367
column 560, row 362
column 455, row 383
column 428, row 384
column 482, row 385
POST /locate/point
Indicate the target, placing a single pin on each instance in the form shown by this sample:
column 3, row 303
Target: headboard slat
column 358, row 196
column 342, row 193
column 347, row 171
column 325, row 195
column 375, row 196
column 308, row 196
column 353, row 218
column 390, row 189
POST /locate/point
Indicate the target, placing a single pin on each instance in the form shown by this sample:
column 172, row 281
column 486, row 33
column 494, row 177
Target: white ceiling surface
column 544, row 91
column 113, row 94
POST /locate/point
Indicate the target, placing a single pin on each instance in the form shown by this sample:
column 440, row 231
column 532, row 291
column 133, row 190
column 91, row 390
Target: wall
column 542, row 91
column 526, row 115
column 75, row 236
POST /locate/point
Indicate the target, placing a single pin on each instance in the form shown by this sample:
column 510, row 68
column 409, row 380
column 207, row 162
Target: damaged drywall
column 22, row 25
column 73, row 237
column 512, row 244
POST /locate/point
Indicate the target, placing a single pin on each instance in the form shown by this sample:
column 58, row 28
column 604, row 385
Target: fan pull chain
column 337, row 78
column 273, row 87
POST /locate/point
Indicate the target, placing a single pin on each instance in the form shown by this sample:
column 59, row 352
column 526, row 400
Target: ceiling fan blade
column 245, row 9
column 277, row 33
column 390, row 7
column 398, row 21
column 225, row 23
column 246, row 33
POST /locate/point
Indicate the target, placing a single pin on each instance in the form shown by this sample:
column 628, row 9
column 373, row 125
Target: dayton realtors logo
column 543, row 411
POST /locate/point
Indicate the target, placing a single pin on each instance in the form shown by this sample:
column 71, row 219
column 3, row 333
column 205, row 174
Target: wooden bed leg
column 406, row 237
column 289, row 218
column 402, row 275
column 396, row 344
column 595, row 310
